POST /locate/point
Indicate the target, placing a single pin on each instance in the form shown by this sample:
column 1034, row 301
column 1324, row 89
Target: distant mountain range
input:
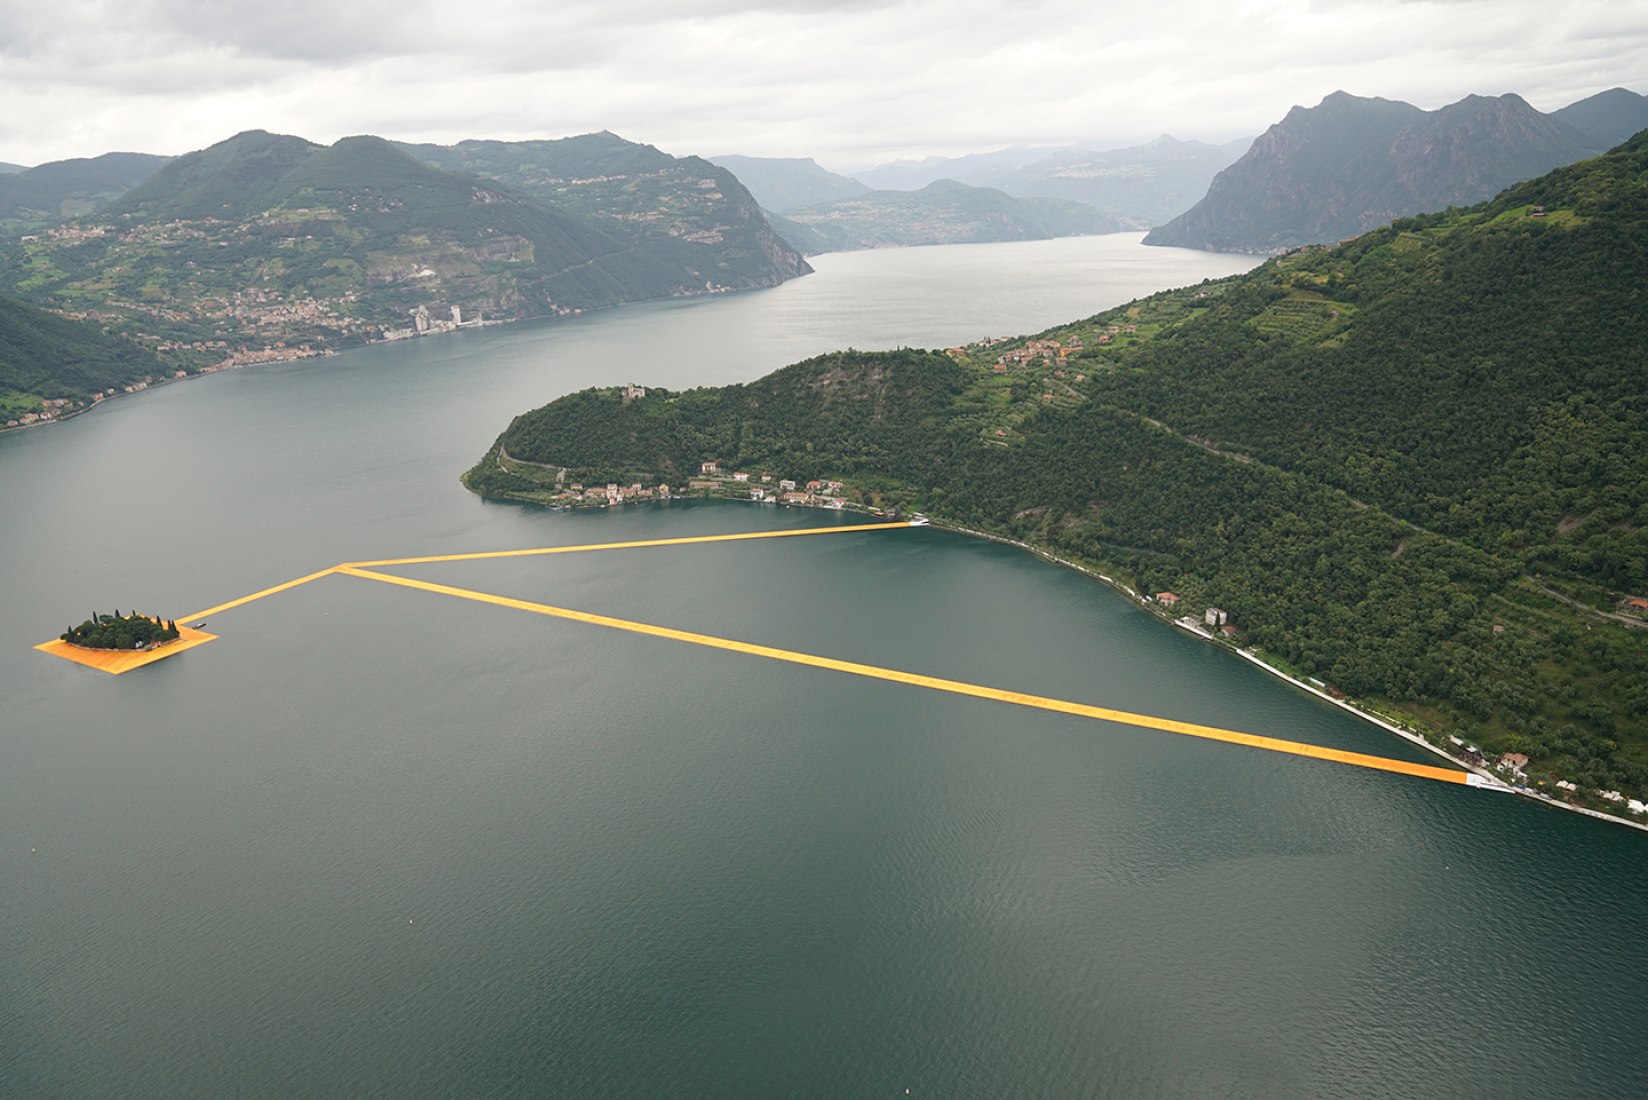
column 269, row 246
column 1349, row 164
column 945, row 212
column 782, row 184
column 1135, row 187
column 1144, row 185
column 912, row 175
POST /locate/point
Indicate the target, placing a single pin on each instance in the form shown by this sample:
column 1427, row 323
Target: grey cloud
column 846, row 81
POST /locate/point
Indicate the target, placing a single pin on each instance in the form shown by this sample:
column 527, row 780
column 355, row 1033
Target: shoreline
column 328, row 352
column 1492, row 782
column 158, row 383
column 1484, row 778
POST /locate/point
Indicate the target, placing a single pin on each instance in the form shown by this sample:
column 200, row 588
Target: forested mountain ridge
column 50, row 193
column 1331, row 171
column 1414, row 466
column 270, row 246
column 686, row 210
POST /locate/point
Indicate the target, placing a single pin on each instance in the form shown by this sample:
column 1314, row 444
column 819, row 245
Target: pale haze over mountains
column 851, row 85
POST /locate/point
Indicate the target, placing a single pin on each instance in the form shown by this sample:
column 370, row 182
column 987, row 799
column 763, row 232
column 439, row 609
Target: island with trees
column 1411, row 468
column 122, row 632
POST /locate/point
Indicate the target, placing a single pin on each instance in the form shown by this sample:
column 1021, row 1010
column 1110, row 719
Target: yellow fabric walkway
column 365, row 570
column 955, row 687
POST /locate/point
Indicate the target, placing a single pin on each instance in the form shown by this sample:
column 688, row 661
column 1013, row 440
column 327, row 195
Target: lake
column 375, row 841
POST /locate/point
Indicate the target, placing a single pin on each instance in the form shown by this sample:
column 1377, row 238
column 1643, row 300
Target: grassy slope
column 43, row 355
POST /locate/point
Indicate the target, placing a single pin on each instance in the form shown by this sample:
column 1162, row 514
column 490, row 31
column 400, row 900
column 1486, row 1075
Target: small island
column 119, row 643
column 121, row 632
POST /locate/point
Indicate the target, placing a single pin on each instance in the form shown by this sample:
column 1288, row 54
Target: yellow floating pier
column 366, row 570
column 116, row 661
column 954, row 687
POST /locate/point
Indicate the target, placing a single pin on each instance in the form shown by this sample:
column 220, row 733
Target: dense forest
column 1414, row 466
column 119, row 631
column 43, row 355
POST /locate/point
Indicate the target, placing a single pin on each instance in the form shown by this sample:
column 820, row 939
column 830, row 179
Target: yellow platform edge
column 116, row 661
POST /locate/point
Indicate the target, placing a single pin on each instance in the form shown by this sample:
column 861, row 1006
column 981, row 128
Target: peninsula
column 1410, row 470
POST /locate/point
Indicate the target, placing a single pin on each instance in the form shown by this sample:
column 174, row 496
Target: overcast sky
column 851, row 83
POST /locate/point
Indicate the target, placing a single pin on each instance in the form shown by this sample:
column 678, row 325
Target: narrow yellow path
column 539, row 550
column 259, row 595
column 955, row 687
column 363, row 570
column 631, row 545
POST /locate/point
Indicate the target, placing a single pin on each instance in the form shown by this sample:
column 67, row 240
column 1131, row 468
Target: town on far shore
column 712, row 482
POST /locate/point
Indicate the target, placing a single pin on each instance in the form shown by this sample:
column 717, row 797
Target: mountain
column 945, row 212
column 782, row 184
column 44, row 357
column 1607, row 118
column 685, row 210
column 1413, row 466
column 1145, row 185
column 50, row 193
column 1340, row 168
column 267, row 245
column 7, row 169
column 912, row 175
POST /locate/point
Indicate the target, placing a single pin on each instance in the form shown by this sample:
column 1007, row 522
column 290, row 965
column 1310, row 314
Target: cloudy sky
column 850, row 82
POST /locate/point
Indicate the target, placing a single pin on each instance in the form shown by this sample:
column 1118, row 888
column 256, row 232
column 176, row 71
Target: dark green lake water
column 376, row 842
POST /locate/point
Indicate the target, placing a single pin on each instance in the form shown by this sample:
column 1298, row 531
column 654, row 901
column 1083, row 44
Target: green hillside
column 35, row 197
column 684, row 210
column 270, row 246
column 46, row 357
column 1414, row 467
